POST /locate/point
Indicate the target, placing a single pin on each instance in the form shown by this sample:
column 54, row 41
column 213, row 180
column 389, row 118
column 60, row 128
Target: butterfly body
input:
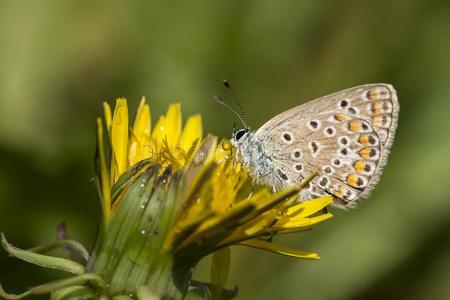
column 258, row 160
column 344, row 138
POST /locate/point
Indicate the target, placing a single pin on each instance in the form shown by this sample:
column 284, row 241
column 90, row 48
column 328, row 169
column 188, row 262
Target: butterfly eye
column 240, row 134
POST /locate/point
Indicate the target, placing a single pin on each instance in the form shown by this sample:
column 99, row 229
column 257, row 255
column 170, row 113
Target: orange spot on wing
column 352, row 179
column 340, row 117
column 367, row 153
column 364, row 139
column 340, row 193
column 355, row 126
column 378, row 121
column 376, row 108
column 359, row 166
column 377, row 93
column 381, row 121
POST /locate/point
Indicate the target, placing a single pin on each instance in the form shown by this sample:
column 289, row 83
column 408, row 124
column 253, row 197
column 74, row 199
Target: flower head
column 168, row 143
column 169, row 198
column 209, row 205
column 212, row 202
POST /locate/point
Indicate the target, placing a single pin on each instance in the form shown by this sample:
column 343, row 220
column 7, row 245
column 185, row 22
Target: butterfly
column 344, row 138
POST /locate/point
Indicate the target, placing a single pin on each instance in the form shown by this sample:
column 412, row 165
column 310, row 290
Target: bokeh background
column 60, row 59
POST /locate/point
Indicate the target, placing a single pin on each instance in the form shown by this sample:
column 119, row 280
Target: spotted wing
column 344, row 137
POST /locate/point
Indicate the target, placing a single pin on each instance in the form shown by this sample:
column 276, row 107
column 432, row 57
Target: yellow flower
column 168, row 142
column 211, row 204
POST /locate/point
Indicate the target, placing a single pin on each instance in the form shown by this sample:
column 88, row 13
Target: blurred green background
column 60, row 59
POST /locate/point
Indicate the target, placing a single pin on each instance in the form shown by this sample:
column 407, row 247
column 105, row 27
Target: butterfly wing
column 344, row 137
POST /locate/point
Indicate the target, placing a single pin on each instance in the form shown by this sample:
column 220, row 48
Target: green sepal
column 131, row 251
column 128, row 177
column 45, row 261
column 76, row 246
column 114, row 238
column 79, row 292
column 96, row 282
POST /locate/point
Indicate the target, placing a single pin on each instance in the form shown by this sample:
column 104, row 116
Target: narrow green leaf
column 102, row 173
column 8, row 296
column 45, row 261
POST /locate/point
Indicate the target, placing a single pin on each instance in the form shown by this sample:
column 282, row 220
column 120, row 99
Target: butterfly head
column 240, row 136
column 244, row 144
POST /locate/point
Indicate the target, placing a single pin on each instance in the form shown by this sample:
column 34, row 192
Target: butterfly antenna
column 223, row 103
column 235, row 99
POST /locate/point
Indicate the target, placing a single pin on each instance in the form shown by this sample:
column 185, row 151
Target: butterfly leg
column 268, row 238
column 252, row 190
column 236, row 159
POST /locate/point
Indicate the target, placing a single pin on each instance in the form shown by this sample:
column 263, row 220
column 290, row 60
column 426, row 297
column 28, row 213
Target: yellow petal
column 241, row 213
column 133, row 151
column 140, row 139
column 192, row 132
column 192, row 207
column 259, row 225
column 310, row 207
column 298, row 222
column 119, row 137
column 143, row 122
column 264, row 203
column 263, row 245
column 226, row 183
column 173, row 124
column 169, row 126
column 217, row 222
column 108, row 118
column 159, row 132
